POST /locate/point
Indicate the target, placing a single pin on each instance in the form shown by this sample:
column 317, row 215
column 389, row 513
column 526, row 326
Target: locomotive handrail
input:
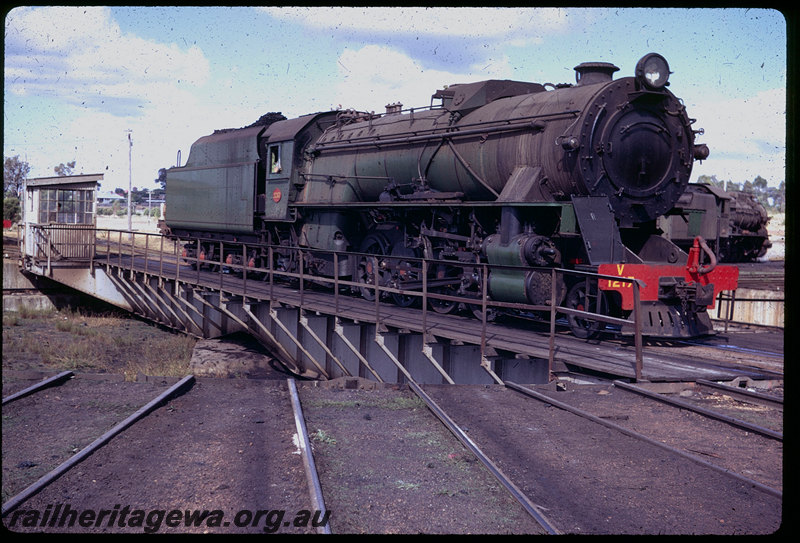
column 306, row 175
column 437, row 133
column 383, row 288
column 127, row 251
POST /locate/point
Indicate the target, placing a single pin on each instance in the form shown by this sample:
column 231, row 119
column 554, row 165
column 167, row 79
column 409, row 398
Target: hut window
column 65, row 206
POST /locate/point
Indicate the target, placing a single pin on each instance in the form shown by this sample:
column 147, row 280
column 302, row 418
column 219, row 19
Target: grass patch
column 403, row 485
column 93, row 341
column 399, row 402
column 403, row 402
column 29, row 313
column 321, row 436
column 10, row 319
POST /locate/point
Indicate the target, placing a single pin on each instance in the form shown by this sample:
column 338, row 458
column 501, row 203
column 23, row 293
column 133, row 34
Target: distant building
column 108, row 198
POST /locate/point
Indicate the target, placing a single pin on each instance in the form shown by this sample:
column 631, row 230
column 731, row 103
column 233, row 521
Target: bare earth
column 386, row 464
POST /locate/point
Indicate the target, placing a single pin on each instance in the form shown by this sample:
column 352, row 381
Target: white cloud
column 80, row 55
column 374, row 76
column 752, row 133
column 460, row 22
column 58, row 29
column 85, row 82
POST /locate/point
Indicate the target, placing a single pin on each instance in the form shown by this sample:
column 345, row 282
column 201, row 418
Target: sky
column 83, row 83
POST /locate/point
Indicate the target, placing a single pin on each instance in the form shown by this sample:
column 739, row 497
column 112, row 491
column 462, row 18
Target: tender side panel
column 216, row 198
column 216, row 189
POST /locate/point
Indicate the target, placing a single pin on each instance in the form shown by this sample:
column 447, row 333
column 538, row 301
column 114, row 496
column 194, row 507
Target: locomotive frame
column 503, row 173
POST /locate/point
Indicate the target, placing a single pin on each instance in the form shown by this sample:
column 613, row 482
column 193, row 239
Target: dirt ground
column 386, row 464
column 393, row 468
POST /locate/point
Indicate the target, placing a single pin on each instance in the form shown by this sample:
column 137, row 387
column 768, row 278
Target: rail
column 51, row 381
column 641, row 437
column 121, row 248
column 61, row 469
column 532, row 509
column 312, row 477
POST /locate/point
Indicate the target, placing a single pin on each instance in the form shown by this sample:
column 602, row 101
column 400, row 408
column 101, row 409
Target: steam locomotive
column 522, row 177
column 733, row 223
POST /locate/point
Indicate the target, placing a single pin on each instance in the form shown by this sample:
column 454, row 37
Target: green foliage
column 772, row 198
column 162, row 178
column 63, row 170
column 15, row 172
column 12, row 211
column 321, row 436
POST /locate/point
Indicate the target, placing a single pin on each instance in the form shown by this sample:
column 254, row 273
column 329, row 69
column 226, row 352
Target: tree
column 15, row 172
column 63, row 170
column 713, row 181
column 139, row 196
column 12, row 211
column 759, row 183
column 162, row 178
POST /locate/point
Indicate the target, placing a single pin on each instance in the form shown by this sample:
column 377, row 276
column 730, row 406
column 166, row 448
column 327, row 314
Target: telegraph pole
column 130, row 178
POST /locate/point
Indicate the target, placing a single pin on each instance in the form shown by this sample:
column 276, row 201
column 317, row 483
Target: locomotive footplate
column 674, row 298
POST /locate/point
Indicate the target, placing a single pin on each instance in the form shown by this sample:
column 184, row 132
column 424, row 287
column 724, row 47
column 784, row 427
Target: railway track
column 762, row 275
column 689, row 428
column 195, row 458
column 605, row 467
column 558, row 463
column 597, row 459
column 532, row 509
column 388, row 465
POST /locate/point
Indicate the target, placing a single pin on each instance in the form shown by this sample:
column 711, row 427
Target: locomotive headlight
column 652, row 71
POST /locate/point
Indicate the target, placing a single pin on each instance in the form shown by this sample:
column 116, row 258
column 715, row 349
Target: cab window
column 275, row 159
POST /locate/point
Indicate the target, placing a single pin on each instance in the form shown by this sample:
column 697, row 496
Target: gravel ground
column 386, row 464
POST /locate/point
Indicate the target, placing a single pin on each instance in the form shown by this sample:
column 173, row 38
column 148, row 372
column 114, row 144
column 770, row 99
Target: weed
column 403, row 402
column 322, row 437
column 95, row 341
column 336, row 404
column 26, row 312
column 400, row 402
column 402, row 485
column 10, row 319
column 427, row 438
